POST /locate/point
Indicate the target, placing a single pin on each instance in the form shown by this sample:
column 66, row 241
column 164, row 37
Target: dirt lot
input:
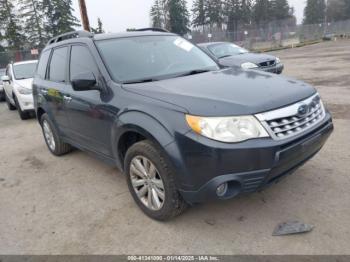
column 78, row 205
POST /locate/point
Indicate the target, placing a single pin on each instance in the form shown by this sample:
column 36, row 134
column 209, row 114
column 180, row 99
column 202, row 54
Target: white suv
column 18, row 87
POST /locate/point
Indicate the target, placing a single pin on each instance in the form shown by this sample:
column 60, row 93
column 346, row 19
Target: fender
column 151, row 128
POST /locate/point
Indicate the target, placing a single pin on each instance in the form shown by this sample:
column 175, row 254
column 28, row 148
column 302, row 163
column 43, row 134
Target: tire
column 2, row 96
column 9, row 105
column 172, row 203
column 54, row 143
column 22, row 114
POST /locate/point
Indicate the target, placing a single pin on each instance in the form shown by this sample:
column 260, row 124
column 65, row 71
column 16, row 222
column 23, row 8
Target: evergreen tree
column 237, row 12
column 199, row 13
column 315, row 12
column 280, row 9
column 60, row 18
column 215, row 13
column 338, row 10
column 178, row 16
column 99, row 29
column 157, row 15
column 32, row 13
column 262, row 12
column 10, row 25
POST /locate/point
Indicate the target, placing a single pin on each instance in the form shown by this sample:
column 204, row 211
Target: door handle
column 67, row 99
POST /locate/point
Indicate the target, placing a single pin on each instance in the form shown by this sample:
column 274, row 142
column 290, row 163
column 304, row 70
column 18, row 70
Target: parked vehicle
column 2, row 94
column 18, row 87
column 228, row 54
column 182, row 130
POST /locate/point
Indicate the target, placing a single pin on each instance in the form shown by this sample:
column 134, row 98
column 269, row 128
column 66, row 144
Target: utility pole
column 84, row 16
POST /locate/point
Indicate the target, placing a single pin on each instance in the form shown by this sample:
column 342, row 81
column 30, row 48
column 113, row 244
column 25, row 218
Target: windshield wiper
column 194, row 72
column 224, row 56
column 140, row 81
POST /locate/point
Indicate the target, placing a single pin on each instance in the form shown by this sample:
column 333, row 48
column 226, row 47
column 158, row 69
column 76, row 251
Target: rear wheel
column 22, row 114
column 151, row 182
column 9, row 105
column 52, row 138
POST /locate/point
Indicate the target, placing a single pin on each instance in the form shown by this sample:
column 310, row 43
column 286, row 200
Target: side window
column 44, row 58
column 81, row 61
column 58, row 65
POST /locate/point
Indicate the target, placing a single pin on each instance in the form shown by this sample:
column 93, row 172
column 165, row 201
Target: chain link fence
column 275, row 36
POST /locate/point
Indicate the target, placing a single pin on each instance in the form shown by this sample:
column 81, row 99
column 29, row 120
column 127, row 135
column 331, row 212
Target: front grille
column 295, row 119
column 268, row 63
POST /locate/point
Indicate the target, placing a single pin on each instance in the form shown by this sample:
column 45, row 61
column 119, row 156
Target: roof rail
column 74, row 34
column 154, row 29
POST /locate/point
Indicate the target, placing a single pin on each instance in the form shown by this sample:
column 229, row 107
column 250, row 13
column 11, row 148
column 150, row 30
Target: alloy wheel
column 147, row 183
column 49, row 137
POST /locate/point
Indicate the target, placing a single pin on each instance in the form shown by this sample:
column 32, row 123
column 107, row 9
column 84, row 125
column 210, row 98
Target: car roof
column 129, row 34
column 26, row 62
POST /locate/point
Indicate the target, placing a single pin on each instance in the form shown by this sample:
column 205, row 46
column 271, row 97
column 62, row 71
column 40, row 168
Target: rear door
column 90, row 119
column 56, row 87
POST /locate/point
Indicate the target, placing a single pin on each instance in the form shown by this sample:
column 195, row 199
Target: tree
column 315, row 12
column 338, row 10
column 237, row 12
column 99, row 29
column 178, row 16
column 32, row 13
column 280, row 9
column 215, row 13
column 60, row 18
column 10, row 25
column 199, row 13
column 262, row 12
column 157, row 15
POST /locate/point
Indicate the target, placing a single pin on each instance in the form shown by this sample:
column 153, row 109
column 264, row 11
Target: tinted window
column 58, row 65
column 81, row 61
column 43, row 64
column 24, row 71
column 136, row 58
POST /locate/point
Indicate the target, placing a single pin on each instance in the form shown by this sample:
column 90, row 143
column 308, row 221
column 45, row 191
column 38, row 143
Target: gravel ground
column 78, row 205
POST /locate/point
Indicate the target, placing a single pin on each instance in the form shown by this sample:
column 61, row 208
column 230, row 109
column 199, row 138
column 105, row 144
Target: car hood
column 227, row 92
column 237, row 60
column 26, row 83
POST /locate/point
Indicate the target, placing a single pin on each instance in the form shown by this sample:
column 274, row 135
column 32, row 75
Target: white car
column 18, row 87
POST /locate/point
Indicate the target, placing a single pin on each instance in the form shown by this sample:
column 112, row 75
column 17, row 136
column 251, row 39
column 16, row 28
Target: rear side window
column 58, row 65
column 41, row 72
column 81, row 61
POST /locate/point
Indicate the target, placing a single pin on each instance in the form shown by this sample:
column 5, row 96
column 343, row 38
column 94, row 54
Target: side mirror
column 5, row 79
column 84, row 82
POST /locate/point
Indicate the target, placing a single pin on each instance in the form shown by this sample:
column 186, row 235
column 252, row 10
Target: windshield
column 24, row 71
column 152, row 58
column 226, row 49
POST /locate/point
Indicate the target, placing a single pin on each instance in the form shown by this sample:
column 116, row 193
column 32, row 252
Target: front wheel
column 151, row 182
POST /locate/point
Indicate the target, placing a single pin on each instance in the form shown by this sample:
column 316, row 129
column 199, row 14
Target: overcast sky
column 117, row 15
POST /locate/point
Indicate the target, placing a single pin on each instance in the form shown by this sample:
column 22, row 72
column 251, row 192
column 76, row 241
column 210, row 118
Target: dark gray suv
column 182, row 129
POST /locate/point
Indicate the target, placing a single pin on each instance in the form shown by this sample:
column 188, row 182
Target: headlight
column 249, row 65
column 227, row 129
column 24, row 91
column 278, row 60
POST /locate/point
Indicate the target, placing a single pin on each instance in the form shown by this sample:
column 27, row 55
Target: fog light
column 221, row 190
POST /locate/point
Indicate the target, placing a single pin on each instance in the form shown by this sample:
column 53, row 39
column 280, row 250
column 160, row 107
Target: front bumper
column 26, row 102
column 276, row 69
column 246, row 167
